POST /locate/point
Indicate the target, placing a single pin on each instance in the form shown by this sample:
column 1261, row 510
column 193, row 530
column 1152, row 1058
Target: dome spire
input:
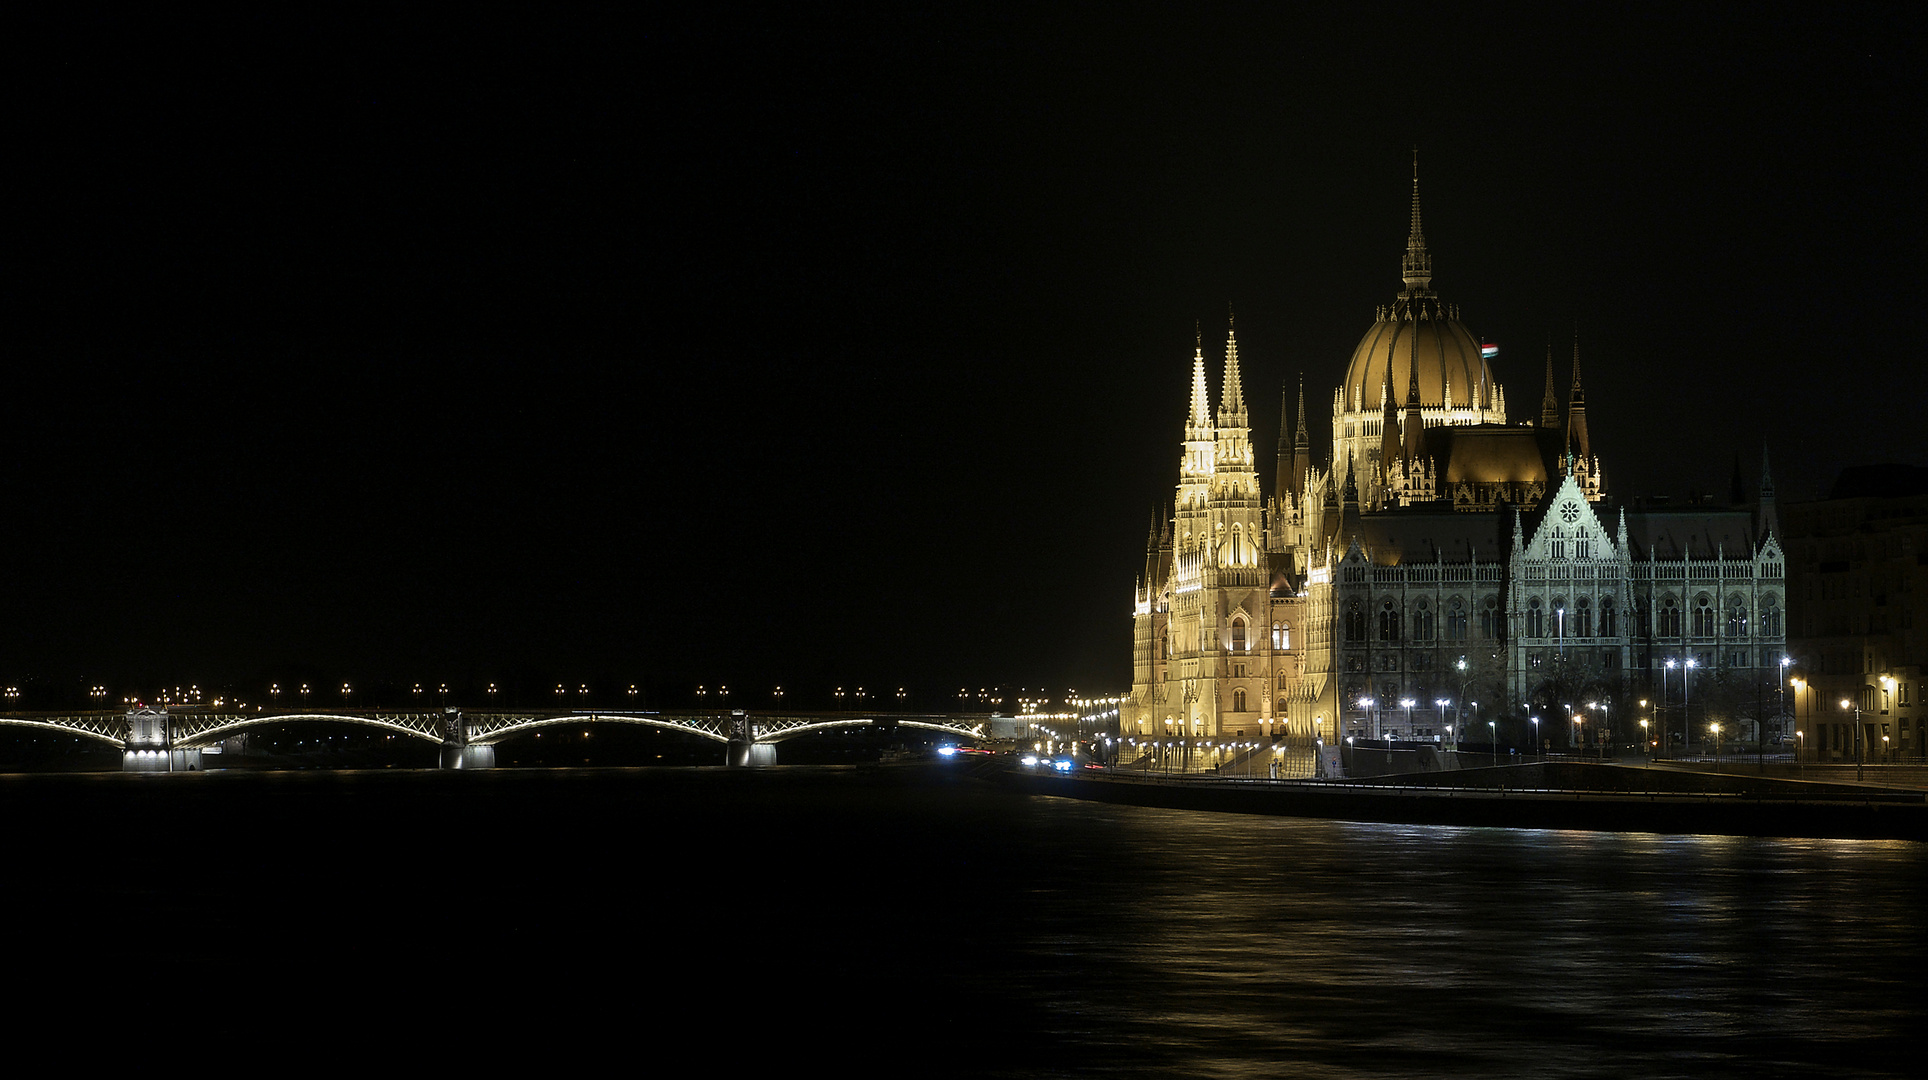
column 1417, row 266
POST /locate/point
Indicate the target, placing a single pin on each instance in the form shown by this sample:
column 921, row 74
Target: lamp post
column 1538, row 750
column 1785, row 661
column 1715, row 730
column 1800, row 732
column 1660, row 713
column 1845, row 706
column 1408, row 703
column 1600, row 731
column 1494, row 729
column 1686, row 702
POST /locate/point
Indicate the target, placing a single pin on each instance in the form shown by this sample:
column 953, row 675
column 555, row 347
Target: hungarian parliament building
column 1444, row 568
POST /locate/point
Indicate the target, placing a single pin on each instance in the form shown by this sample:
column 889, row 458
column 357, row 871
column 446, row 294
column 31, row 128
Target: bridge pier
column 457, row 751
column 752, row 754
column 468, row 757
column 744, row 749
column 149, row 747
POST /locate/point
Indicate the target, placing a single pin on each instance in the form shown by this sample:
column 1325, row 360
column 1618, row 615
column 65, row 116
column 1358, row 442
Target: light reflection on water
column 879, row 919
column 1233, row 946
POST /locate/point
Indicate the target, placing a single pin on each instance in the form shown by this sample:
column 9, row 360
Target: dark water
column 910, row 922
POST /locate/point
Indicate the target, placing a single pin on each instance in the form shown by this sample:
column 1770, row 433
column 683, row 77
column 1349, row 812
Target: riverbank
column 1565, row 795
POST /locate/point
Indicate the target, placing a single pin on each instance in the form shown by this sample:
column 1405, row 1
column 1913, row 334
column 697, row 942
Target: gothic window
column 1355, row 622
column 1703, row 616
column 1238, row 635
column 1535, row 619
column 1489, row 619
column 1669, row 617
column 1609, row 618
column 1281, row 635
column 1455, row 619
column 1388, row 621
column 1770, row 617
column 1238, row 700
column 1582, row 617
column 1580, row 548
column 1736, row 617
column 1423, row 622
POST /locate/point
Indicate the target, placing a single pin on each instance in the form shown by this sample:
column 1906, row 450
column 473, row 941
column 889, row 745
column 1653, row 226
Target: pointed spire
column 1577, row 408
column 1577, row 396
column 1770, row 522
column 1415, row 427
column 1201, row 409
column 1388, row 430
column 1231, row 394
column 1301, row 438
column 1417, row 266
column 1550, row 404
column 1284, row 488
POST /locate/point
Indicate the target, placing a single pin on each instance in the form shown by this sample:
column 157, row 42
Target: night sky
column 853, row 348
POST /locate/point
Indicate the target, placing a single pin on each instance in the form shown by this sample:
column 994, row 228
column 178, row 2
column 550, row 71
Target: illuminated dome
column 1416, row 343
column 1418, row 332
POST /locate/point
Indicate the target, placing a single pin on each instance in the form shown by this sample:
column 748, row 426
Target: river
column 913, row 922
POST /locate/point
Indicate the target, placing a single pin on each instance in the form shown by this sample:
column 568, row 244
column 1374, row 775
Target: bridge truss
column 195, row 728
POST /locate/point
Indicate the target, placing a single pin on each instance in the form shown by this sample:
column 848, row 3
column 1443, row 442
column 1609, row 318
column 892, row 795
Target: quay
column 1550, row 795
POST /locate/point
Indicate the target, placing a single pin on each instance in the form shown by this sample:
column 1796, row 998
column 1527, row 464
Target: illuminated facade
column 1441, row 557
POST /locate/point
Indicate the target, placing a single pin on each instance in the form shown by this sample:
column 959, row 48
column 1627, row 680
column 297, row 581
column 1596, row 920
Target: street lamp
column 1686, row 701
column 1715, row 730
column 1785, row 661
column 1538, row 752
column 1664, row 672
column 1408, row 703
column 1845, row 706
column 1493, row 728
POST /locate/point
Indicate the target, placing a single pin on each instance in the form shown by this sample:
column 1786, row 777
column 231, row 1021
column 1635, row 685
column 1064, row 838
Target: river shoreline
column 1610, row 799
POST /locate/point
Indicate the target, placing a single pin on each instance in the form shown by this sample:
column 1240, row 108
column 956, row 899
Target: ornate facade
column 1443, row 568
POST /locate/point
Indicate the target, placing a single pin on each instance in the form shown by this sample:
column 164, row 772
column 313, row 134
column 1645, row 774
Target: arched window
column 1355, row 622
column 1490, row 625
column 1582, row 618
column 1456, row 619
column 1770, row 617
column 1388, row 621
column 1238, row 700
column 1736, row 616
column 1423, row 622
column 1281, row 635
column 1609, row 618
column 1238, row 635
column 1703, row 616
column 1669, row 617
column 1535, row 619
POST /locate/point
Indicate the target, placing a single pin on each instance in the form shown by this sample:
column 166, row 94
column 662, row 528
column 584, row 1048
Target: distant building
column 1442, row 567
column 1858, row 580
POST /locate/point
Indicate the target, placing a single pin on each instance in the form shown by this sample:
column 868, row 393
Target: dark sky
column 853, row 347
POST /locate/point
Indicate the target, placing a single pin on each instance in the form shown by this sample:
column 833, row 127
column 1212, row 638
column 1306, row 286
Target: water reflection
column 1233, row 945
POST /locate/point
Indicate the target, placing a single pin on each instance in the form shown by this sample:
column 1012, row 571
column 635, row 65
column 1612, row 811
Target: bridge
column 154, row 740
